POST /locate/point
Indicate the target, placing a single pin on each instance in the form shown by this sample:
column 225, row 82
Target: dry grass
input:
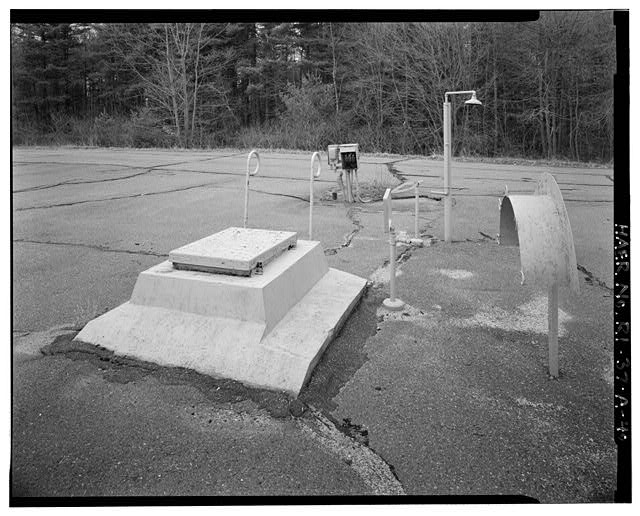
column 371, row 190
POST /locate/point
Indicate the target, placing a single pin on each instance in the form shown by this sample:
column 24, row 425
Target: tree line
column 546, row 85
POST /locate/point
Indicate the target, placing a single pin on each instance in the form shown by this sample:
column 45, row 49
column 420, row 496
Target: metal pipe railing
column 312, row 176
column 392, row 302
column 246, row 191
column 406, row 187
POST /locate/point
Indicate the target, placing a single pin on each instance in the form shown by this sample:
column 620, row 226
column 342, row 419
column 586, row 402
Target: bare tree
column 174, row 62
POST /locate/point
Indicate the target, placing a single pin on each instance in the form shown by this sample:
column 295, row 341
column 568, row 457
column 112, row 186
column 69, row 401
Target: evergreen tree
column 546, row 86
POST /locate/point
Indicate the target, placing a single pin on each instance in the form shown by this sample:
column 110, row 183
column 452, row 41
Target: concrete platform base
column 265, row 330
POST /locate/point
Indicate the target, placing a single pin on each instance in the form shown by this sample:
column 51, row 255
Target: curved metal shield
column 539, row 224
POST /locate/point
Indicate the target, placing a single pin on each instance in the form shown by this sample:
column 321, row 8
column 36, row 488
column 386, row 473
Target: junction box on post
column 345, row 158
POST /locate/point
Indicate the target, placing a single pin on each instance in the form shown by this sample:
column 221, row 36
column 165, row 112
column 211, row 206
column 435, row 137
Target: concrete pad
column 234, row 250
column 311, row 325
column 265, row 330
column 230, row 348
column 173, row 338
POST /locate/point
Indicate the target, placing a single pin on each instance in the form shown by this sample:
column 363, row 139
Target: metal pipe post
column 392, row 264
column 246, row 191
column 312, row 175
column 347, row 174
column 553, row 330
column 391, row 303
column 446, row 113
column 417, row 209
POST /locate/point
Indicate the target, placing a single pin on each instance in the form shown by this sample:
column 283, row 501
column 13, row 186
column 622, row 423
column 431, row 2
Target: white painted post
column 446, row 112
column 391, row 303
column 553, row 330
column 312, row 175
column 392, row 263
column 246, row 191
column 415, row 225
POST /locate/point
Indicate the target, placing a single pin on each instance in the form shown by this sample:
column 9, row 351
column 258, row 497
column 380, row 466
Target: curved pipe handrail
column 312, row 175
column 405, row 187
column 246, row 191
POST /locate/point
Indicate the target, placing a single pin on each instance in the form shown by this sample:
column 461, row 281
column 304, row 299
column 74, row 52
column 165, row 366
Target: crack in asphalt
column 115, row 198
column 276, row 194
column 407, row 174
column 243, row 174
column 404, row 255
column 75, row 163
column 353, row 450
column 588, row 200
column 348, row 238
column 123, row 165
column 352, row 214
column 496, row 195
column 162, row 168
column 72, row 182
column 590, row 277
column 147, row 170
column 395, row 172
column 90, row 246
column 487, row 235
column 530, row 180
column 347, row 441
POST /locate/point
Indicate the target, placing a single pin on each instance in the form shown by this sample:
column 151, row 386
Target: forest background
column 546, row 85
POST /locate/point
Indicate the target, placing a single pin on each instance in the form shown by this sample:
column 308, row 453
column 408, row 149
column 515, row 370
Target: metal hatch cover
column 236, row 251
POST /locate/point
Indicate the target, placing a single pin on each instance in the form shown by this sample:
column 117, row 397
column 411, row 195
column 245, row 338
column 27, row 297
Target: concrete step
column 262, row 298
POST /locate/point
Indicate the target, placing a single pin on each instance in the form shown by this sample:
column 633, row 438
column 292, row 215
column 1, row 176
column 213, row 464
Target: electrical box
column 343, row 156
column 349, row 156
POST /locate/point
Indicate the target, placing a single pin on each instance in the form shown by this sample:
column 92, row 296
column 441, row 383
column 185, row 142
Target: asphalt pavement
column 450, row 396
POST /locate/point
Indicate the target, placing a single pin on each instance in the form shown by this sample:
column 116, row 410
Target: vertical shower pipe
column 391, row 303
column 312, row 175
column 246, row 191
column 446, row 113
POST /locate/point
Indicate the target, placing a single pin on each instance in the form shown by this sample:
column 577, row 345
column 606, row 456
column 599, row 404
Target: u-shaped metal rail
column 313, row 175
column 246, row 191
column 392, row 302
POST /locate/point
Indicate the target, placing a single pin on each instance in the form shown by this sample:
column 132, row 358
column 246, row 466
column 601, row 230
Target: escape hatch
column 235, row 251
